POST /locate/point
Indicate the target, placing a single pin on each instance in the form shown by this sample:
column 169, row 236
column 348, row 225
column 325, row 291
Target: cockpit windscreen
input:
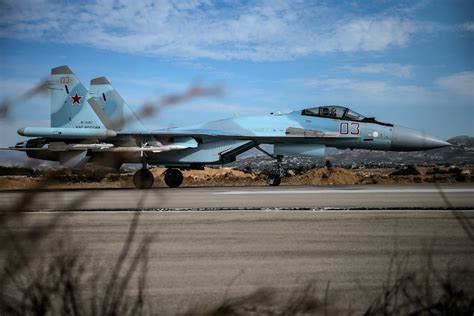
column 335, row 112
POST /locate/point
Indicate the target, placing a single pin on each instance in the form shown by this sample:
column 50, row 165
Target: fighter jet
column 97, row 126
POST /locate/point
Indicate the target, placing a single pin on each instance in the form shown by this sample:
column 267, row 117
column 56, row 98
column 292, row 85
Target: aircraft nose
column 408, row 139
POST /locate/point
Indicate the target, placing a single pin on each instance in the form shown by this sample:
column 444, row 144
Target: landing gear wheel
column 143, row 179
column 273, row 180
column 173, row 178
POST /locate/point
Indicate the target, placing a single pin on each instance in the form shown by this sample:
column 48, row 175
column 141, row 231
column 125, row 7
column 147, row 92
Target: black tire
column 143, row 179
column 173, row 178
column 273, row 180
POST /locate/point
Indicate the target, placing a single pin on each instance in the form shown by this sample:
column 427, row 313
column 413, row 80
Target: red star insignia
column 76, row 99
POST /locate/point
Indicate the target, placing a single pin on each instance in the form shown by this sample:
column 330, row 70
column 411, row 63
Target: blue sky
column 406, row 62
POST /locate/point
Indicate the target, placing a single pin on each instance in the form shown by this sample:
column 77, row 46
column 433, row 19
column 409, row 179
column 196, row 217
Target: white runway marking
column 351, row 191
column 279, row 210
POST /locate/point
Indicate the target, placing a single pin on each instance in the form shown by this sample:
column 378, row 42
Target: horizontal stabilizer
column 73, row 159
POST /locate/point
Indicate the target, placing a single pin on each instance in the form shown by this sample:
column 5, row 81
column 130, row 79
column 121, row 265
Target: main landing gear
column 173, row 178
column 143, row 179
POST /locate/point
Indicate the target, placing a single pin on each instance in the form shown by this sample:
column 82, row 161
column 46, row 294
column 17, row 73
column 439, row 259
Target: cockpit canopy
column 341, row 113
column 334, row 111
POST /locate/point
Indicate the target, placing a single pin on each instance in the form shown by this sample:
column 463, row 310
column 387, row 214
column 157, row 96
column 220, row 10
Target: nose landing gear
column 173, row 178
column 274, row 179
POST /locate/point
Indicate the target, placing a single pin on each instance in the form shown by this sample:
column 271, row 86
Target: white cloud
column 454, row 89
column 15, row 87
column 461, row 83
column 372, row 88
column 370, row 34
column 267, row 30
column 396, row 70
column 223, row 108
column 368, row 92
column 17, row 93
column 468, row 26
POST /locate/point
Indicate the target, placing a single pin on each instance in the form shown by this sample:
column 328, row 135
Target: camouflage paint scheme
column 97, row 125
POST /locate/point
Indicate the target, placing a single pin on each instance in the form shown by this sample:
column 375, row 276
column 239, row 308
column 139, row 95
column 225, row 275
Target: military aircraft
column 98, row 126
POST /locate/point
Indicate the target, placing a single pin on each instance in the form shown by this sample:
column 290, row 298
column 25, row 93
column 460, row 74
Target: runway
column 285, row 197
column 210, row 243
column 202, row 258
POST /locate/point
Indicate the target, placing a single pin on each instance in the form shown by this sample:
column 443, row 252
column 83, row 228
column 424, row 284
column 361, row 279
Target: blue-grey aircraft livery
column 97, row 126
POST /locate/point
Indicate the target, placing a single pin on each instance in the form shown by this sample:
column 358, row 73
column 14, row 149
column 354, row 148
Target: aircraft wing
column 193, row 133
column 183, row 139
column 293, row 132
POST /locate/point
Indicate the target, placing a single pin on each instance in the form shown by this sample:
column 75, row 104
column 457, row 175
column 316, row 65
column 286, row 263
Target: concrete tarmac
column 361, row 196
column 201, row 258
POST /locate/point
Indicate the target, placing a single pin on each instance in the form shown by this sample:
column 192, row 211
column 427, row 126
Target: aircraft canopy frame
column 340, row 113
column 334, row 112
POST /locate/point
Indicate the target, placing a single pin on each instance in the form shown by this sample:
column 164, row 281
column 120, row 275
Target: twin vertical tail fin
column 77, row 113
column 70, row 106
column 73, row 106
column 114, row 106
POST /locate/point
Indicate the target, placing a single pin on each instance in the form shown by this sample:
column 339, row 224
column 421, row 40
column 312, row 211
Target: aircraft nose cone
column 408, row 139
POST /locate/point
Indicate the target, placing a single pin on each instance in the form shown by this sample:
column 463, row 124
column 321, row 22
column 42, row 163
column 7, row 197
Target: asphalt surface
column 362, row 196
column 200, row 258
